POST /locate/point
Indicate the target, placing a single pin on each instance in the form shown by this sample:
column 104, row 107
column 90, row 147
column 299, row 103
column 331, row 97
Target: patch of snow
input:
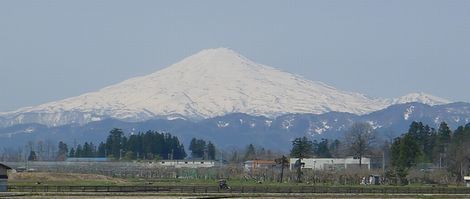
column 222, row 124
column 421, row 98
column 320, row 128
column 175, row 118
column 268, row 123
column 408, row 112
column 253, row 125
column 95, row 119
column 29, row 130
column 286, row 124
column 436, row 120
column 374, row 125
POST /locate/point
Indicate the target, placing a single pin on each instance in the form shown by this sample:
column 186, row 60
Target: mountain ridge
column 240, row 129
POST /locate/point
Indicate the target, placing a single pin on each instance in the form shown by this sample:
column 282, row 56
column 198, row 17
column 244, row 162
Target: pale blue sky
column 50, row 50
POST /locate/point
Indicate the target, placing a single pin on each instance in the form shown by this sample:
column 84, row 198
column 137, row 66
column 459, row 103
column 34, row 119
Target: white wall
column 187, row 163
column 331, row 163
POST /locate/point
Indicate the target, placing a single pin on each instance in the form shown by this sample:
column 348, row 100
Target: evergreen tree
column 149, row 145
column 101, row 150
column 302, row 148
column 72, row 153
column 426, row 139
column 87, row 150
column 322, row 149
column 443, row 139
column 32, row 156
column 405, row 152
column 211, row 151
column 444, row 133
column 79, row 151
column 250, row 153
column 63, row 150
column 134, row 144
column 181, row 152
column 114, row 143
column 409, row 152
column 334, row 148
column 197, row 147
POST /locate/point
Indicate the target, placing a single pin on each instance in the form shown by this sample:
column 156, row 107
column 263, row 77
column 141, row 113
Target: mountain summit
column 422, row 98
column 209, row 83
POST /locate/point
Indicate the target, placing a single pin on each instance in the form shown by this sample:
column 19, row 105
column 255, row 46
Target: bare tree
column 359, row 139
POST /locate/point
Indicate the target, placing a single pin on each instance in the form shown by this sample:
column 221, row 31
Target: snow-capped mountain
column 421, row 98
column 210, row 83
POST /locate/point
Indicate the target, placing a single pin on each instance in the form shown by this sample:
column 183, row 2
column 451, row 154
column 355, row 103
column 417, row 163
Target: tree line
column 200, row 149
column 421, row 148
column 149, row 145
column 442, row 147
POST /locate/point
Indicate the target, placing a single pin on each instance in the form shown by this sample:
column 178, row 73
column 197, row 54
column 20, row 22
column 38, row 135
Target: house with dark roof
column 4, row 177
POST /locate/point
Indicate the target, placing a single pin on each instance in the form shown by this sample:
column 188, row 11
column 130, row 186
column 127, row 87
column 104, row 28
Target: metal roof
column 4, row 166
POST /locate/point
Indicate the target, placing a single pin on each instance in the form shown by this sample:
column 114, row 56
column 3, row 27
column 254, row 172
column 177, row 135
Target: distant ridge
column 422, row 98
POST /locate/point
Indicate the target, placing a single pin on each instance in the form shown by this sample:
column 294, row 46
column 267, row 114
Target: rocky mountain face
column 208, row 84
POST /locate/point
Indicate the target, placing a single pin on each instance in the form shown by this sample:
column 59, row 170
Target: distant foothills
column 238, row 129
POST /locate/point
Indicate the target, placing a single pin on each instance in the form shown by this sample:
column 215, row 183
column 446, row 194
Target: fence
column 243, row 189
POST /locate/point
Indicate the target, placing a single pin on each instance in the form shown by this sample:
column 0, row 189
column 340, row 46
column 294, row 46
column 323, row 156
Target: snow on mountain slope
column 210, row 83
column 421, row 98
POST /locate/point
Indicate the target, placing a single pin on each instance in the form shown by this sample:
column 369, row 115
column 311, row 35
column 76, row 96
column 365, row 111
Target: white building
column 252, row 165
column 330, row 163
column 187, row 163
column 467, row 181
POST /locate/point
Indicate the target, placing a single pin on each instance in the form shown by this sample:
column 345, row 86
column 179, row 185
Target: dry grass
column 27, row 178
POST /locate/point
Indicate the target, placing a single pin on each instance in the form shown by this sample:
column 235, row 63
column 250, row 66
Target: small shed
column 467, row 181
column 4, row 177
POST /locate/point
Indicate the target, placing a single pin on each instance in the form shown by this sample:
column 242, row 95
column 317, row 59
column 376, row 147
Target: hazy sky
column 50, row 50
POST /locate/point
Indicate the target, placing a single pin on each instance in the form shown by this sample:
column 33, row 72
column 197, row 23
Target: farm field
column 260, row 196
column 70, row 185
